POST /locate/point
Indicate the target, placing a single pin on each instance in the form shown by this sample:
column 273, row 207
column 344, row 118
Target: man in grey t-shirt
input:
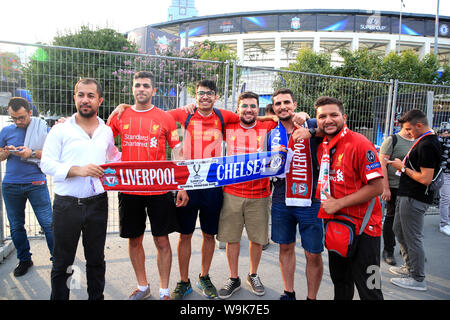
column 392, row 147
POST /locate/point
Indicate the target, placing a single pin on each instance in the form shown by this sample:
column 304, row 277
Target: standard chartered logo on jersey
column 136, row 140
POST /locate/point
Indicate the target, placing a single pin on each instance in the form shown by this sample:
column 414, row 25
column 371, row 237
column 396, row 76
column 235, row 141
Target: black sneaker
column 208, row 289
column 288, row 296
column 182, row 290
column 230, row 287
column 389, row 258
column 22, row 268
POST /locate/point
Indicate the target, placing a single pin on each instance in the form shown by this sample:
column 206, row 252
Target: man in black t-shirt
column 418, row 169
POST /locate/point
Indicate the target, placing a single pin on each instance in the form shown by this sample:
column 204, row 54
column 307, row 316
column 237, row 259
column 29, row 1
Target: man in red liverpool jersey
column 145, row 130
column 203, row 138
column 245, row 203
column 354, row 179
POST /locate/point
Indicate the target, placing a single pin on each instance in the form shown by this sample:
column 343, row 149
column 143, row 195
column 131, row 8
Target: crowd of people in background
column 342, row 185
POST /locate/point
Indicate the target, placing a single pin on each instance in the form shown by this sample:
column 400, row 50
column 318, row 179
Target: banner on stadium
column 156, row 176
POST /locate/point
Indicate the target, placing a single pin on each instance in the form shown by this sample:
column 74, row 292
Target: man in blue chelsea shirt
column 23, row 181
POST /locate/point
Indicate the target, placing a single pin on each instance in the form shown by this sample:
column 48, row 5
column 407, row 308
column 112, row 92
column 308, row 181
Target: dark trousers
column 388, row 233
column 71, row 217
column 360, row 270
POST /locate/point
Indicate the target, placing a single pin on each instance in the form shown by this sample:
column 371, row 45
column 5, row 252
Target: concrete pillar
column 355, row 44
column 316, row 43
column 240, row 49
column 425, row 49
column 277, row 62
column 391, row 46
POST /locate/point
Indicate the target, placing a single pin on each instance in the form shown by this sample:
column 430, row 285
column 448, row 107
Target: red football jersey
column 248, row 140
column 354, row 163
column 203, row 137
column 144, row 134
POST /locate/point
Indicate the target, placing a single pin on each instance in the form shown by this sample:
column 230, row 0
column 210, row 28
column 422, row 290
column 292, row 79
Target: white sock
column 163, row 292
column 142, row 288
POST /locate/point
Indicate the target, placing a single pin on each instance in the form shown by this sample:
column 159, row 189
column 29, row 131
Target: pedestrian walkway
column 120, row 279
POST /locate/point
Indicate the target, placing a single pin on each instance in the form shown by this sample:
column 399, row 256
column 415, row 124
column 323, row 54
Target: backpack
column 394, row 142
column 222, row 122
column 437, row 182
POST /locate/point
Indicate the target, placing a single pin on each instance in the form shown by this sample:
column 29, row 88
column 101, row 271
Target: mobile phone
column 17, row 150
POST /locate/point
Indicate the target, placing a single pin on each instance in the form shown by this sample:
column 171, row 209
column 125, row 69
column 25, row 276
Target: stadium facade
column 273, row 38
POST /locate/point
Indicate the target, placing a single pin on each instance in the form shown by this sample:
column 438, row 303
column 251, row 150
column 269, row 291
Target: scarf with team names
column 157, row 176
column 323, row 184
column 299, row 176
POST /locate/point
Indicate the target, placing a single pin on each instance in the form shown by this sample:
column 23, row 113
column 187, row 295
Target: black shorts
column 133, row 211
column 205, row 203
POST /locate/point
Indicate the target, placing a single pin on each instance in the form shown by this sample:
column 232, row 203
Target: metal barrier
column 47, row 74
column 365, row 101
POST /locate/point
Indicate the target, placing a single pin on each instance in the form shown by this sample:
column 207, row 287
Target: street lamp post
column 436, row 30
column 400, row 26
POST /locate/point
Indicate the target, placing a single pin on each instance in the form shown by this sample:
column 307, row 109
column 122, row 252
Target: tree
column 52, row 72
column 360, row 64
column 9, row 67
column 176, row 70
column 309, row 61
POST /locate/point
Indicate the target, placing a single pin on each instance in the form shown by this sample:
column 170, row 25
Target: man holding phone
column 24, row 181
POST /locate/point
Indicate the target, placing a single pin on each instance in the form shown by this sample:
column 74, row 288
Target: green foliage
column 174, row 70
column 309, row 61
column 361, row 64
column 10, row 67
column 52, row 72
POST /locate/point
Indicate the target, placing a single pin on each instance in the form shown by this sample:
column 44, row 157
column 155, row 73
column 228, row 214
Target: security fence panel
column 46, row 76
column 433, row 100
column 366, row 102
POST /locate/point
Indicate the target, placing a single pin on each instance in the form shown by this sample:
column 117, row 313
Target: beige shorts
column 237, row 212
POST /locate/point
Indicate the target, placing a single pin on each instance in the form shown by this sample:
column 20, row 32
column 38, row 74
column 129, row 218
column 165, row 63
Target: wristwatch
column 33, row 154
column 403, row 169
column 313, row 132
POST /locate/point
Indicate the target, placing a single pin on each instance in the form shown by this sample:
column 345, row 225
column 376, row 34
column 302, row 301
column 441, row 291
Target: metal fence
column 46, row 76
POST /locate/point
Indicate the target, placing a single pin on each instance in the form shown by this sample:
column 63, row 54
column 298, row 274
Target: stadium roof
column 298, row 11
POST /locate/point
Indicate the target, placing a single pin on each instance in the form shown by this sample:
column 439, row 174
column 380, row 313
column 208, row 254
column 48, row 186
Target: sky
column 30, row 21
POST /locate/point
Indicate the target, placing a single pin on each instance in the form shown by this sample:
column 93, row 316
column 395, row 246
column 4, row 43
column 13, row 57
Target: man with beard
column 72, row 154
column 245, row 203
column 293, row 198
column 145, row 131
column 24, row 179
column 350, row 178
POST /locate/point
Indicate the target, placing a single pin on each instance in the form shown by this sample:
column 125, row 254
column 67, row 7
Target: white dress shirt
column 68, row 145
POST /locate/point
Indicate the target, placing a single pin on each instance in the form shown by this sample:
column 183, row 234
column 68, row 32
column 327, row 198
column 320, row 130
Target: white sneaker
column 399, row 271
column 445, row 230
column 410, row 283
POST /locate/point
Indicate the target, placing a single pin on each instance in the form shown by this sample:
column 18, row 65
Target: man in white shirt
column 72, row 154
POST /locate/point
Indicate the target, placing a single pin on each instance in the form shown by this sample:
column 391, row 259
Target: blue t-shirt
column 18, row 171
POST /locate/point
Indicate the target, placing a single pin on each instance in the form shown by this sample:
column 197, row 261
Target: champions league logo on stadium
column 373, row 23
column 110, row 178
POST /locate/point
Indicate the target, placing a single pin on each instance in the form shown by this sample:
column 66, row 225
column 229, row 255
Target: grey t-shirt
column 400, row 150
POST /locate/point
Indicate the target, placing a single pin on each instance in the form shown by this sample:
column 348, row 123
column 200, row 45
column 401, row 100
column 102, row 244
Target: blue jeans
column 15, row 197
column 284, row 225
